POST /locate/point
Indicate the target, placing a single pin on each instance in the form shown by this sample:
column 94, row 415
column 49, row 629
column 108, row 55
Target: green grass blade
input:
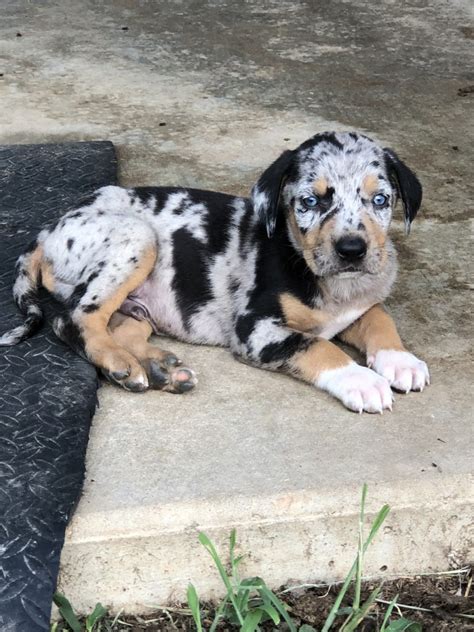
column 382, row 514
column 334, row 610
column 360, row 614
column 400, row 625
column 66, row 611
column 206, row 542
column 271, row 612
column 264, row 591
column 360, row 550
column 193, row 603
column 96, row 615
column 388, row 613
column 233, row 564
column 379, row 520
column 252, row 620
column 218, row 615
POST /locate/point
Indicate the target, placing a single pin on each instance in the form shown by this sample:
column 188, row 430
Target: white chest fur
column 340, row 321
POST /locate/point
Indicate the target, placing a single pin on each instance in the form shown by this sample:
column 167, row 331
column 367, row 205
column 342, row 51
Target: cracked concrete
column 207, row 93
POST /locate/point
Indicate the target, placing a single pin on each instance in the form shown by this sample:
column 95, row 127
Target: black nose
column 351, row 248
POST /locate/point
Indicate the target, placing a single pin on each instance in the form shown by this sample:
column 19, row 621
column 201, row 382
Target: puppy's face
column 338, row 204
column 337, row 193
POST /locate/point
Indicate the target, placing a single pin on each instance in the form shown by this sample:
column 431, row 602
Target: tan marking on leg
column 33, row 264
column 373, row 331
column 370, row 185
column 100, row 347
column 320, row 356
column 47, row 276
column 300, row 317
column 320, row 186
column 133, row 335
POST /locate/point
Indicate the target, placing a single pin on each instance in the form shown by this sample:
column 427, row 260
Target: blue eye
column 380, row 199
column 311, row 201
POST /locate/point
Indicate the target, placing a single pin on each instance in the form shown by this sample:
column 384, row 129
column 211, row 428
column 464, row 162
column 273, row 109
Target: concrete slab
column 235, row 83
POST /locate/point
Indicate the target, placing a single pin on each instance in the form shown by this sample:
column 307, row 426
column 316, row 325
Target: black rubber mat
column 47, row 393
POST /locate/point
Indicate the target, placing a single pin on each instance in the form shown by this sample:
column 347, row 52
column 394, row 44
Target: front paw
column 403, row 370
column 359, row 389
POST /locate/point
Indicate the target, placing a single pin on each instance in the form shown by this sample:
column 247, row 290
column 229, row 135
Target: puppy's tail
column 26, row 295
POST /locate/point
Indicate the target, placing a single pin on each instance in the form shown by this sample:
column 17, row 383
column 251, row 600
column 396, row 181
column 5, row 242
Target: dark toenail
column 171, row 360
column 119, row 375
column 182, row 387
column 135, row 387
column 158, row 378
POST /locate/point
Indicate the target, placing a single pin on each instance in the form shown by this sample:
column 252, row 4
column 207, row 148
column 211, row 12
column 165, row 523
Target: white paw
column 359, row 389
column 403, row 370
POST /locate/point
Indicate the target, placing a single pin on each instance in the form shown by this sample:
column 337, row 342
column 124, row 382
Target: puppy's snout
column 350, row 248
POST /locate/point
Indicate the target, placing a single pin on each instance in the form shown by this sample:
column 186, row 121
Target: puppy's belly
column 157, row 302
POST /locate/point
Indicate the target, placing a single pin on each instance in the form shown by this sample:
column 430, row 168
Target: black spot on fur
column 133, row 260
column 88, row 309
column 353, row 135
column 182, row 206
column 191, row 283
column 283, row 350
column 80, row 290
column 234, row 286
column 75, row 215
column 70, row 243
column 69, row 333
column 375, row 163
column 244, row 327
column 146, row 195
column 331, row 138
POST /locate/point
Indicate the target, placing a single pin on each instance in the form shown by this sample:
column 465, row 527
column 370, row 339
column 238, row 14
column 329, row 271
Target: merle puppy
column 273, row 277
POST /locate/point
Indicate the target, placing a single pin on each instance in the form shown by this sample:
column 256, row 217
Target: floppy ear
column 408, row 185
column 266, row 193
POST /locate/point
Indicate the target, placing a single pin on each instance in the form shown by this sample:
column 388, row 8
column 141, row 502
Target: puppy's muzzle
column 351, row 249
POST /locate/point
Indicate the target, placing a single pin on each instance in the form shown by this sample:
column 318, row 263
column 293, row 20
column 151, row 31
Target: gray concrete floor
column 207, row 94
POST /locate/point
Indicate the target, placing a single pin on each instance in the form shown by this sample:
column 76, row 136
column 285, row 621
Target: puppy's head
column 336, row 193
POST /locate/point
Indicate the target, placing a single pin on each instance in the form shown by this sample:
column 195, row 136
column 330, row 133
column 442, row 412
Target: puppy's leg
column 376, row 335
column 85, row 327
column 163, row 368
column 270, row 345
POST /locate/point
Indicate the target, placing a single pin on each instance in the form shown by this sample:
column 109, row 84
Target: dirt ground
column 444, row 599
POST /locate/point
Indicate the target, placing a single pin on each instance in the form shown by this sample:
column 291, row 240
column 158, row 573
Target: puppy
column 274, row 277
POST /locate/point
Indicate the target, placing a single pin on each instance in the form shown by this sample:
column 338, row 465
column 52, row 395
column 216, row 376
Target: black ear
column 266, row 193
column 408, row 185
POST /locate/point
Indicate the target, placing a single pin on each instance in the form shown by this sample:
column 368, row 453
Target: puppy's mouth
column 350, row 272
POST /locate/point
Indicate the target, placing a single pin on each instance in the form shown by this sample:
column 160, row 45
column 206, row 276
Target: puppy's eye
column 311, row 201
column 380, row 199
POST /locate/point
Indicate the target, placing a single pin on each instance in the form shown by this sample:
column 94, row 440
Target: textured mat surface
column 47, row 393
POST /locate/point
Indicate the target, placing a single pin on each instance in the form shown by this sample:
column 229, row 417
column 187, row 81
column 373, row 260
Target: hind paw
column 167, row 375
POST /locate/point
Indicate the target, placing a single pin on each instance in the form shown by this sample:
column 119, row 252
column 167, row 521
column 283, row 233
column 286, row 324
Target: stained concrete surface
column 207, row 94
